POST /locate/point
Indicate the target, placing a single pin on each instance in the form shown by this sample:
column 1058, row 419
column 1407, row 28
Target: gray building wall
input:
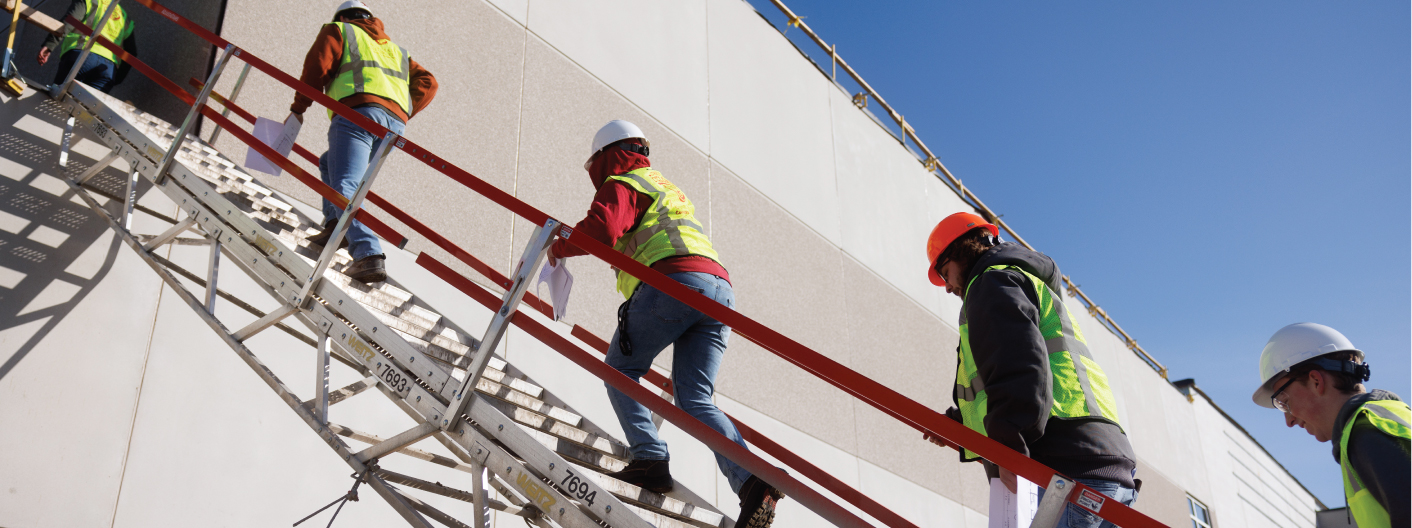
column 817, row 211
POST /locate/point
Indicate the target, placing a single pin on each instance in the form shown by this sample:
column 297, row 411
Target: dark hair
column 966, row 249
column 1344, row 381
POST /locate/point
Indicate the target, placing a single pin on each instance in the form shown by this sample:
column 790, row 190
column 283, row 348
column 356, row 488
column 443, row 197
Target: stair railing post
column 130, row 199
column 191, row 116
column 234, row 93
column 63, row 89
column 1056, row 499
column 345, row 221
column 212, row 272
column 481, row 517
column 539, row 243
column 321, row 381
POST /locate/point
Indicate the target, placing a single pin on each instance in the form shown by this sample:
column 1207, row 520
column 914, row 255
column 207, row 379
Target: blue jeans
column 651, row 320
column 96, row 71
column 350, row 149
column 1077, row 517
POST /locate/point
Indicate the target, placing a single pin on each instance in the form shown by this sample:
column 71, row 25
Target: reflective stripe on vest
column 370, row 66
column 668, row 229
column 1080, row 387
column 1391, row 417
column 117, row 31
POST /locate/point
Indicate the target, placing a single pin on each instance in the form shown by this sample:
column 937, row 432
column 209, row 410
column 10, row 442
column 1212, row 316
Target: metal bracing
column 529, row 262
column 234, row 93
column 194, row 114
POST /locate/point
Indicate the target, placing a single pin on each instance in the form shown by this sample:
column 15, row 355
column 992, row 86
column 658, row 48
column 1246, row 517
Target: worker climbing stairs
column 545, row 461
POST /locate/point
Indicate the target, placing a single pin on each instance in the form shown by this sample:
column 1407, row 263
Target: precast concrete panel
column 903, row 346
column 885, row 203
column 1161, row 498
column 838, row 463
column 770, row 119
column 904, row 497
column 1263, row 487
column 515, row 9
column 788, row 278
column 71, row 392
column 564, row 107
column 653, row 53
column 211, row 439
column 77, row 310
column 473, row 122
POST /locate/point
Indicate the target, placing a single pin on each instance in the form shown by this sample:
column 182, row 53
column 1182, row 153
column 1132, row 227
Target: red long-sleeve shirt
column 321, row 66
column 616, row 211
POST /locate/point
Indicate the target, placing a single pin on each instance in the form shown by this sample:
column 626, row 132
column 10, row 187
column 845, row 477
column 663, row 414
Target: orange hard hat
column 947, row 231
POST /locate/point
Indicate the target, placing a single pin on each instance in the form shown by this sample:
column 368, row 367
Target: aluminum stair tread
column 554, row 427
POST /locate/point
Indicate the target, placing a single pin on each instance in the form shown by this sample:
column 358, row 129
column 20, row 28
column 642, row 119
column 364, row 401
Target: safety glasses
column 1282, row 403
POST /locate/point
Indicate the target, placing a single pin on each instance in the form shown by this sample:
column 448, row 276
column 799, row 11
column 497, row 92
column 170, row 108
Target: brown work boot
column 651, row 475
column 757, row 504
column 367, row 270
column 321, row 239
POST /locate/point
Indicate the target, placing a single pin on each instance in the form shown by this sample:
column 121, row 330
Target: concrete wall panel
column 1161, row 498
column 887, row 201
column 76, row 312
column 788, row 278
column 770, row 119
column 655, row 56
column 479, row 133
column 564, row 107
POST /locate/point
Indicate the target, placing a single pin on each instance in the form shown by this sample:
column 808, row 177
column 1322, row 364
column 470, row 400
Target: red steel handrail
column 814, row 473
column 908, row 411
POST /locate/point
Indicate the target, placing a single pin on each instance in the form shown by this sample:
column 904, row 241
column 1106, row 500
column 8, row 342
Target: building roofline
column 1186, row 386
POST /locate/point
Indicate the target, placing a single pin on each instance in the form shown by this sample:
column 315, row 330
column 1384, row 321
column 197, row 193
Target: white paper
column 277, row 136
column 1013, row 510
column 560, row 282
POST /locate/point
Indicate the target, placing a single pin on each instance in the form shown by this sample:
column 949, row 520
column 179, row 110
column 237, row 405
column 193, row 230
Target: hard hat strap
column 634, row 147
column 1360, row 372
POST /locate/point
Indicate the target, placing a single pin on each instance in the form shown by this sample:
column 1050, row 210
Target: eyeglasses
column 1282, row 403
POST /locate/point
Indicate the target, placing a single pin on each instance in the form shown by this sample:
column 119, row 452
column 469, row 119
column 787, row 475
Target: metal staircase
column 544, row 459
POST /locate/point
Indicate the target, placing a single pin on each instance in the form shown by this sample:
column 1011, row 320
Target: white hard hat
column 616, row 130
column 1292, row 345
column 351, row 4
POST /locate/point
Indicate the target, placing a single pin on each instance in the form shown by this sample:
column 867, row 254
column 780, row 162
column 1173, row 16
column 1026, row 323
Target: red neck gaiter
column 615, row 162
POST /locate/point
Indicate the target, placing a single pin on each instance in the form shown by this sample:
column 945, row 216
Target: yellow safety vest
column 1080, row 388
column 1390, row 417
column 118, row 29
column 377, row 67
column 668, row 229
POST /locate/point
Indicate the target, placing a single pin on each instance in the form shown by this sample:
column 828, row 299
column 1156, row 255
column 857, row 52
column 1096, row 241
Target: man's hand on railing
column 43, row 56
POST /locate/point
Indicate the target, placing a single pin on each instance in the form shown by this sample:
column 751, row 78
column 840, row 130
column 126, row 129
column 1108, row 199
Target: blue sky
column 1208, row 172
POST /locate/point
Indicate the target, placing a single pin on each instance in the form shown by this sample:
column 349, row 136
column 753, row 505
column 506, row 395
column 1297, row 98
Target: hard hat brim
column 935, row 277
column 1265, row 392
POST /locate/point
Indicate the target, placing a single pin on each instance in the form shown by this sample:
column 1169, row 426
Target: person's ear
column 1318, row 382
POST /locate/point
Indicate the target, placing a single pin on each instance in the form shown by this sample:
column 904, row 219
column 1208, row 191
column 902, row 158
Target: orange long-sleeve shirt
column 321, row 66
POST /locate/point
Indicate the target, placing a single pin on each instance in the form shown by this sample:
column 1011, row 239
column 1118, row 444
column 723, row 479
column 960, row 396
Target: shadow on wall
column 53, row 249
column 161, row 44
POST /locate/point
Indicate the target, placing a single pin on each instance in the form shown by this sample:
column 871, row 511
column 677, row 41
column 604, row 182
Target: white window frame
column 1192, row 506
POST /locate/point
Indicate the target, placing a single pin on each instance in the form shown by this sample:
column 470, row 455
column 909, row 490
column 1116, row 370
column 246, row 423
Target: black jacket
column 1382, row 461
column 1003, row 319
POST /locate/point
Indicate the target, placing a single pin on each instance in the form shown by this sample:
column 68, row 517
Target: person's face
column 954, row 275
column 1300, row 402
